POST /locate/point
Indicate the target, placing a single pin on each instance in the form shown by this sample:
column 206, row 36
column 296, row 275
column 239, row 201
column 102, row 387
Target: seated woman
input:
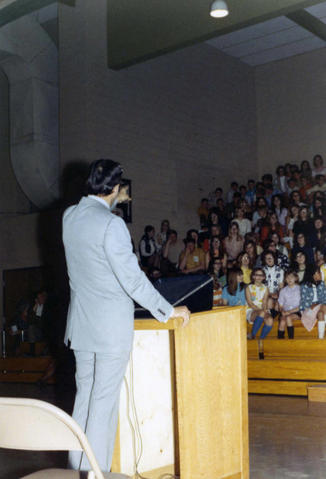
column 161, row 237
column 259, row 217
column 289, row 304
column 219, row 278
column 243, row 262
column 234, row 293
column 205, row 238
column 251, row 249
column 257, row 297
column 217, row 217
column 319, row 256
column 148, row 249
column 233, row 243
column 301, row 267
column 243, row 222
column 280, row 210
column 280, row 248
column 304, row 224
column 274, row 279
column 291, row 218
column 313, row 302
column 192, row 259
column 270, row 226
column 215, row 251
column 319, row 233
column 301, row 244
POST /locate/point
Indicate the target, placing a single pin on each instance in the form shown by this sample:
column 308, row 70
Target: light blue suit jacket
column 104, row 276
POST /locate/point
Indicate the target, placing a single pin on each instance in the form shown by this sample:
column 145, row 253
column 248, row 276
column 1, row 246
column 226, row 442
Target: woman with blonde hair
column 233, row 243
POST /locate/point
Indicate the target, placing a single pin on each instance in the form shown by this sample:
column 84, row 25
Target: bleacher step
column 317, row 393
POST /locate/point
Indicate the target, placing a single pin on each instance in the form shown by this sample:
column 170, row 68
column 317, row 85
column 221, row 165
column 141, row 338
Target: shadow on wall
column 50, row 225
column 49, row 234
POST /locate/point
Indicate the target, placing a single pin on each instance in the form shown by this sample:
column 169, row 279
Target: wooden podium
column 209, row 394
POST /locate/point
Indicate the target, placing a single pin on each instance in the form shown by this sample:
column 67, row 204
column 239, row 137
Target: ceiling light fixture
column 219, row 9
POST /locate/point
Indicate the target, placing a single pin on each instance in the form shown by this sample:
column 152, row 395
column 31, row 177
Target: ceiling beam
column 143, row 29
column 309, row 22
column 10, row 10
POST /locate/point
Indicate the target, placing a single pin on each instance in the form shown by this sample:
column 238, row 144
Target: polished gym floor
column 287, row 436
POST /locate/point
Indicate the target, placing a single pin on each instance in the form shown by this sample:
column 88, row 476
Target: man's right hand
column 181, row 312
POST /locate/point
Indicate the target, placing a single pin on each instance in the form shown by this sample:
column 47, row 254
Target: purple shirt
column 290, row 298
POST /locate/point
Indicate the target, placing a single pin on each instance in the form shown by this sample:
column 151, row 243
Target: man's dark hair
column 103, row 176
column 171, row 232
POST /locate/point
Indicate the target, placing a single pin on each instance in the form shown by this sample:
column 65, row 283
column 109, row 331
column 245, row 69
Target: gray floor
column 287, row 437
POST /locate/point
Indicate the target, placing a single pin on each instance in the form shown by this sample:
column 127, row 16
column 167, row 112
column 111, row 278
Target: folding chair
column 36, row 425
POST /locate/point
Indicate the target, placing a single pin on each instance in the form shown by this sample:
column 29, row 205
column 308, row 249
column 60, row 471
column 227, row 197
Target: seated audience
column 295, row 198
column 192, row 259
column 305, row 170
column 274, row 277
column 243, row 223
column 215, row 251
column 233, row 243
column 171, row 253
column 279, row 209
column 270, row 226
column 148, row 249
column 219, row 278
column 214, row 196
column 251, row 249
column 320, row 185
column 318, row 168
column 280, row 248
column 260, row 212
column 234, row 188
column 250, row 195
column 304, row 223
column 289, row 304
column 203, row 211
column 243, row 262
column 162, row 235
column 257, row 298
column 313, row 302
column 305, row 186
column 320, row 260
column 318, row 206
column 300, row 244
column 281, row 259
column 280, row 179
column 302, row 267
column 233, row 293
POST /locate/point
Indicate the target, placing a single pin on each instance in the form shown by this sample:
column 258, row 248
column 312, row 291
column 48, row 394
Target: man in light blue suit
column 104, row 278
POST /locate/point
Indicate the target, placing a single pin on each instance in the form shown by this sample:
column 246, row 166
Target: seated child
column 257, row 297
column 289, row 304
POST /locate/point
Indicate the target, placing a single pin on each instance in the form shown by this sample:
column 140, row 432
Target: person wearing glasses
column 257, row 295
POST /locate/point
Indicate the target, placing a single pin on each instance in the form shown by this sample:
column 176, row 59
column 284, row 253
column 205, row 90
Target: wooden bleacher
column 289, row 366
column 24, row 368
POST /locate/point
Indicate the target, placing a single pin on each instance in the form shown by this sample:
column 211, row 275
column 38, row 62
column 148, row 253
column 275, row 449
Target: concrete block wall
column 180, row 124
column 291, row 105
